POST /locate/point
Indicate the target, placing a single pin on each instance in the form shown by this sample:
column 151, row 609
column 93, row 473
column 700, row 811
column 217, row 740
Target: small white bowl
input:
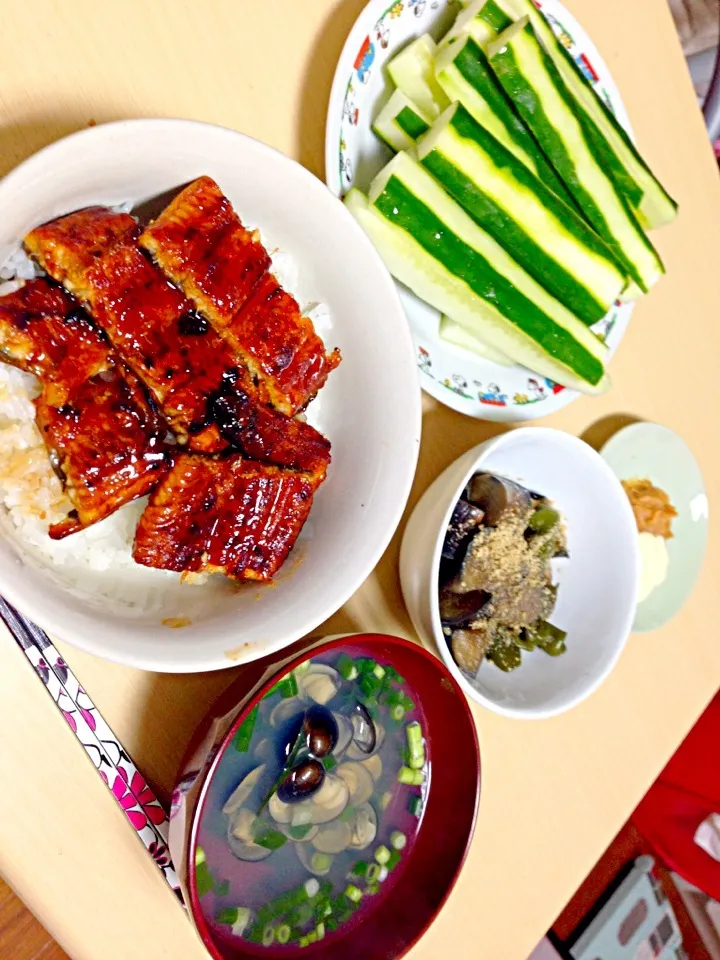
column 598, row 583
column 369, row 409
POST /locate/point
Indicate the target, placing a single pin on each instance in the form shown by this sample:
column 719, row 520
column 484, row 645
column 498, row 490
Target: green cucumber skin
column 651, row 204
column 401, row 207
column 518, row 243
column 624, row 180
column 494, row 16
column 510, row 75
column 474, row 67
column 410, row 123
column 495, row 219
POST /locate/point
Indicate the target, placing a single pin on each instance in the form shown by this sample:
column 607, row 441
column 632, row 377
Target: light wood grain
column 554, row 792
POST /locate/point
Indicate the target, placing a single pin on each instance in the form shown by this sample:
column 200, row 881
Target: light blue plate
column 647, row 450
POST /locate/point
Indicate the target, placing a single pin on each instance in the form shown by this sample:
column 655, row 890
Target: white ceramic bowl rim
column 524, row 713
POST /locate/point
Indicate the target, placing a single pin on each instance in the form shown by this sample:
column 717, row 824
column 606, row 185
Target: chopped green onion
column 373, row 872
column 385, row 800
column 398, row 840
column 268, row 935
column 370, row 685
column 302, row 668
column 346, row 667
column 282, row 934
column 394, row 860
column 360, row 869
column 199, row 856
column 299, row 916
column 382, row 854
column 365, row 665
column 414, row 778
column 222, row 888
column 331, row 924
column 320, row 931
column 378, row 671
column 269, row 838
column 383, row 875
column 353, row 893
column 245, row 732
column 301, row 831
column 329, row 762
column 372, row 889
column 320, row 862
column 416, row 746
column 397, row 712
column 280, row 905
column 415, row 805
column 203, row 879
column 398, row 698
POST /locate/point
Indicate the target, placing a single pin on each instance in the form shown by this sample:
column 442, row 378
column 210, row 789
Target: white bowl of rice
column 86, row 589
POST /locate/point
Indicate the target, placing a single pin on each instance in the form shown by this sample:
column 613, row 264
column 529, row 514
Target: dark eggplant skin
column 460, row 609
column 464, row 521
column 495, row 496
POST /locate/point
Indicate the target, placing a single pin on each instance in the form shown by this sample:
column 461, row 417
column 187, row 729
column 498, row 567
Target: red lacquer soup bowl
column 326, row 805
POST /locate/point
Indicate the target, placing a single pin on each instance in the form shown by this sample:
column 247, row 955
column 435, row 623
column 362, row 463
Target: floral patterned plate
column 353, row 155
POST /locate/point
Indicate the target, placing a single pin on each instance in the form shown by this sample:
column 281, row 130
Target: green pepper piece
column 543, row 520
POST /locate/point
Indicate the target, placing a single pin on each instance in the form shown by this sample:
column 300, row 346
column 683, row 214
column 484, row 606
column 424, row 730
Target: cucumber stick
column 413, row 71
column 400, row 122
column 631, row 175
column 541, row 232
column 431, row 245
column 481, row 19
column 531, row 79
column 459, row 336
column 464, row 74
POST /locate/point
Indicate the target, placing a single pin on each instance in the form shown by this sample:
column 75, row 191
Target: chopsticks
column 137, row 800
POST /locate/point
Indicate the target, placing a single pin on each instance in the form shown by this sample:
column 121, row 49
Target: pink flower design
column 71, row 720
column 137, row 794
column 129, row 804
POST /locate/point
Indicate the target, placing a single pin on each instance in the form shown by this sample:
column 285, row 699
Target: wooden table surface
column 554, row 792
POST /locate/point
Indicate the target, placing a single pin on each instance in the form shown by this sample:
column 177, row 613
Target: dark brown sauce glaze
column 201, row 245
column 103, row 435
column 227, row 516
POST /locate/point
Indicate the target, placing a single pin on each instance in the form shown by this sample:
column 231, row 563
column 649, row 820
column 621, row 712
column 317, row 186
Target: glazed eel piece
column 200, row 243
column 104, row 437
column 198, row 381
column 228, row 515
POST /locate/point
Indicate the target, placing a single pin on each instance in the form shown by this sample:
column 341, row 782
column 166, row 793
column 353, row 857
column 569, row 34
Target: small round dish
column 649, row 450
column 597, row 584
column 390, row 919
column 451, row 374
column 147, row 618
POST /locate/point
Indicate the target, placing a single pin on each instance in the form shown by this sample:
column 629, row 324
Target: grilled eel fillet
column 201, row 245
column 199, row 383
column 230, row 516
column 104, row 437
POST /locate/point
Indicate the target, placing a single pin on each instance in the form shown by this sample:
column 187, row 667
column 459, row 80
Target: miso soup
column 314, row 807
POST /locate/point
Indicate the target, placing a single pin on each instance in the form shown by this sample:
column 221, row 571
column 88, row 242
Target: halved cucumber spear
column 631, row 175
column 430, row 244
column 543, row 234
column 559, row 123
column 413, row 71
column 400, row 122
column 463, row 72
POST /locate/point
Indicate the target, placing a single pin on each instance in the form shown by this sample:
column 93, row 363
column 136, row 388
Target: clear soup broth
column 314, row 806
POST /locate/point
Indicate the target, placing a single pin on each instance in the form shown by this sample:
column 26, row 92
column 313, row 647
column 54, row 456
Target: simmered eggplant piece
column 469, row 647
column 497, row 497
column 459, row 609
column 464, row 521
